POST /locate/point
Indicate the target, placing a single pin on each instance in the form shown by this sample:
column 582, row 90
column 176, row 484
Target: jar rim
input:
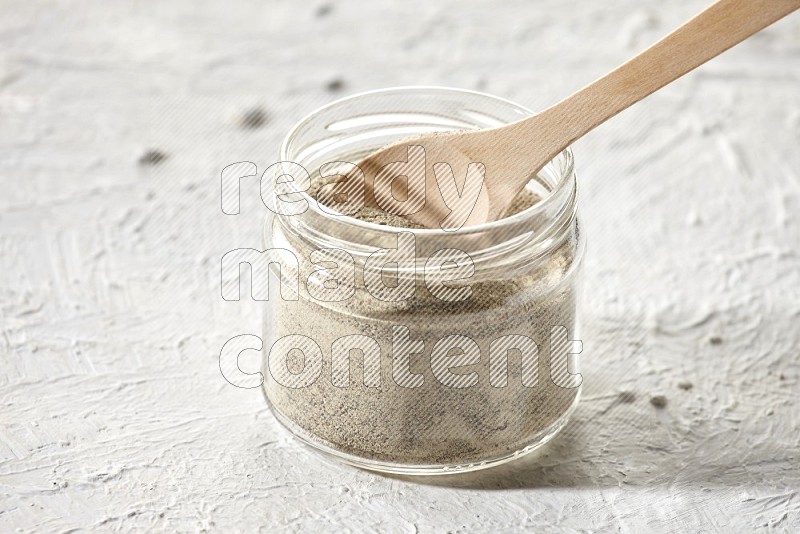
column 542, row 205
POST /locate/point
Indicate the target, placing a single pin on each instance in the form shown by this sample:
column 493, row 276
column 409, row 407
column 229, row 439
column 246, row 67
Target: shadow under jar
column 431, row 382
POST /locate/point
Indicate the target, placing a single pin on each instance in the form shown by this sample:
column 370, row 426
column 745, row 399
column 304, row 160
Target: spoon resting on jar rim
column 462, row 178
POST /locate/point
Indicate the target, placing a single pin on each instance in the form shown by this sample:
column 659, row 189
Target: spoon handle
column 722, row 25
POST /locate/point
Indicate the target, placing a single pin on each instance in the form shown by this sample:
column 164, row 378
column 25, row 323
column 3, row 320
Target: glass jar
column 458, row 376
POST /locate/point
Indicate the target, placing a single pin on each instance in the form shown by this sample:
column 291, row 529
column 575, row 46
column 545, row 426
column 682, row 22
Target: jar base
column 536, row 441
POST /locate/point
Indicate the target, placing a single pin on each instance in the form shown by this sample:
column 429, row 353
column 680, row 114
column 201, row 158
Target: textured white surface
column 114, row 414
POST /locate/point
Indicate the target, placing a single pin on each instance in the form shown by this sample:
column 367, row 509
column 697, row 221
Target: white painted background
column 113, row 413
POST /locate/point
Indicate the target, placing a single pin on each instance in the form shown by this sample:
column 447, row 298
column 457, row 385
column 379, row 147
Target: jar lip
column 512, row 220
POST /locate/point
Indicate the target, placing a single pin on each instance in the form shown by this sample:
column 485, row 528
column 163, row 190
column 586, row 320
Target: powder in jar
column 429, row 425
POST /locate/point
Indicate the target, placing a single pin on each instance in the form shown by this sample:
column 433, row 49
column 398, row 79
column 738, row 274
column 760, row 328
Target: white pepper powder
column 431, row 424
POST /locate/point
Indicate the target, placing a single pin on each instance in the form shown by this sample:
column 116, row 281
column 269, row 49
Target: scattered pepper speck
column 253, row 118
column 659, row 401
column 335, row 85
column 324, row 10
column 152, row 157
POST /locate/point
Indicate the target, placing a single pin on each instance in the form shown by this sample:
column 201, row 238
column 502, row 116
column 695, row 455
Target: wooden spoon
column 512, row 154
